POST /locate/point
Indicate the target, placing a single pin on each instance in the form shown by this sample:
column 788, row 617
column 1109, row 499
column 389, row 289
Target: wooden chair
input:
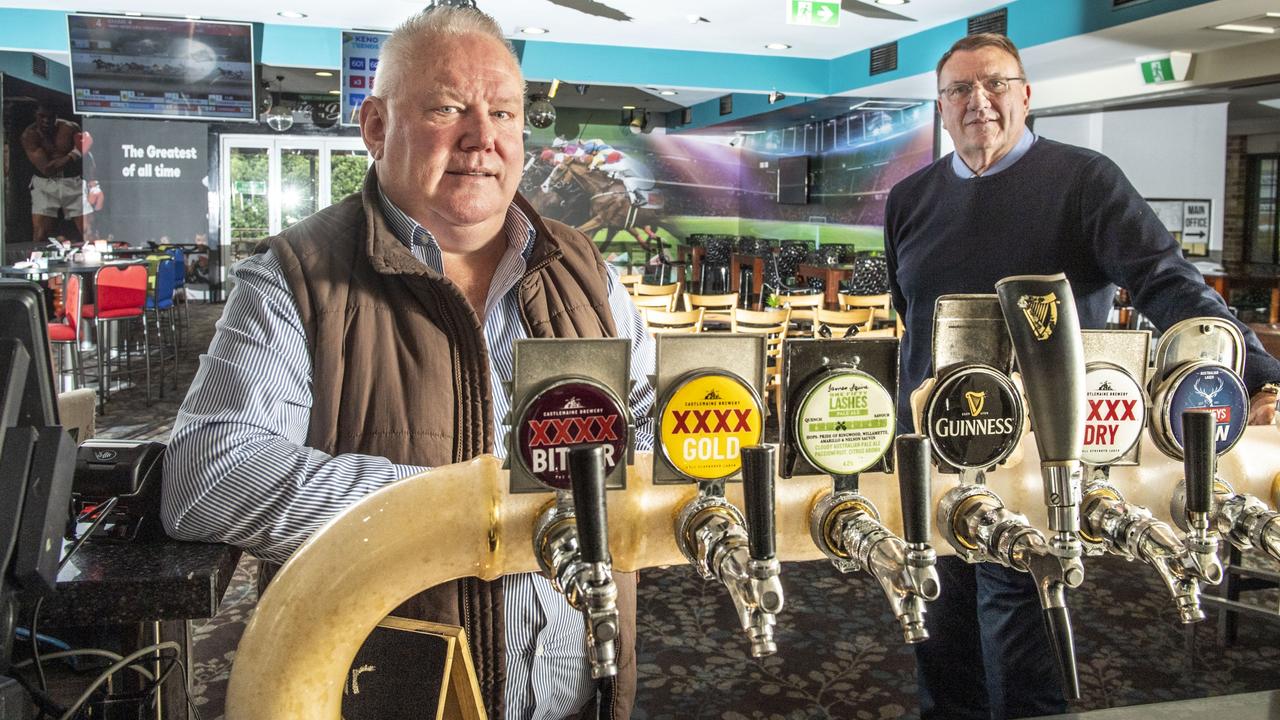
column 718, row 308
column 629, row 281
column 773, row 325
column 882, row 305
column 838, row 322
column 671, row 291
column 661, row 302
column 802, row 312
column 683, row 322
column 884, row 332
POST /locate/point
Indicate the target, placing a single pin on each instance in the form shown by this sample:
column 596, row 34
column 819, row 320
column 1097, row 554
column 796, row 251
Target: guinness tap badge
column 974, row 418
column 976, row 400
column 1041, row 312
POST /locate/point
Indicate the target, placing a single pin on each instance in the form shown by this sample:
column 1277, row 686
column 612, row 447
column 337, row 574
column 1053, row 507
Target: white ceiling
column 735, row 26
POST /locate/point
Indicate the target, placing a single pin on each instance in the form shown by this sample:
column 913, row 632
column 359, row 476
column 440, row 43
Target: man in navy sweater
column 1010, row 203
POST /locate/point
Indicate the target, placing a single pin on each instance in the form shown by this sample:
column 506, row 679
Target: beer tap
column 740, row 554
column 571, row 542
column 1243, row 519
column 1040, row 312
column 981, row 529
column 846, row 527
column 1116, row 526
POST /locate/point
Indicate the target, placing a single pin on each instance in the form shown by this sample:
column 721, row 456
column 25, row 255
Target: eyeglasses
column 960, row 92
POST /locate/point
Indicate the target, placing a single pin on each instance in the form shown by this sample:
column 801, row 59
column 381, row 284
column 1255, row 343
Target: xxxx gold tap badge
column 705, row 423
column 1041, row 312
column 844, row 422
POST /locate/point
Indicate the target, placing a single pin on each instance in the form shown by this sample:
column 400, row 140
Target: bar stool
column 161, row 299
column 62, row 334
column 120, row 297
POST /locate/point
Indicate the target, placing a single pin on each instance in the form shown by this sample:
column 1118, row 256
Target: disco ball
column 541, row 113
column 279, row 118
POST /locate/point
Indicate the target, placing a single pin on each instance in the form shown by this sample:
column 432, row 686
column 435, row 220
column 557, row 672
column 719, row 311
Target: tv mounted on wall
column 162, row 68
column 793, row 180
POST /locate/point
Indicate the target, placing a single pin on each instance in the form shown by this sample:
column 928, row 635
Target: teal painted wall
column 18, row 65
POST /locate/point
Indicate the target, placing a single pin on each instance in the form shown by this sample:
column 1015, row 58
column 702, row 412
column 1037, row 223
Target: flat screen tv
column 793, row 180
column 154, row 67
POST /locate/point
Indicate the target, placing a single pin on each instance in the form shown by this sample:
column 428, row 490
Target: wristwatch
column 1271, row 387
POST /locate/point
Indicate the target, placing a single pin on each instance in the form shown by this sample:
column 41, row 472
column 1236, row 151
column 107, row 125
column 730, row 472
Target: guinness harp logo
column 976, row 400
column 1041, row 312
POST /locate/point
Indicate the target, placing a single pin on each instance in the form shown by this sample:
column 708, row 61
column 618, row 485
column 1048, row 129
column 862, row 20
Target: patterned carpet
column 840, row 652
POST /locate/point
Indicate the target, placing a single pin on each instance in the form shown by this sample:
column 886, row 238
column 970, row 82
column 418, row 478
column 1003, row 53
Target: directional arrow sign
column 820, row 13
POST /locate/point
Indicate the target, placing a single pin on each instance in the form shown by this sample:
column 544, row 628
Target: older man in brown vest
column 371, row 340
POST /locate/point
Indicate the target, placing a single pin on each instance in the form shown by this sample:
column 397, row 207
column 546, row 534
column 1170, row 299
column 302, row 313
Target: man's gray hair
column 397, row 51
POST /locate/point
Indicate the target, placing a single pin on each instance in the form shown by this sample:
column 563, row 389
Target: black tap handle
column 758, row 467
column 1199, row 457
column 586, row 473
column 1058, row 624
column 913, row 487
column 1040, row 312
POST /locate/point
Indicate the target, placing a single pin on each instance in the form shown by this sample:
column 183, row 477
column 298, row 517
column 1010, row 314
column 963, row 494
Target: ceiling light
column 323, row 73
column 777, row 46
column 1259, row 29
column 335, row 92
column 193, row 17
column 291, row 14
column 534, row 30
column 628, row 107
column 1273, row 14
column 668, row 93
column 891, row 2
column 134, row 14
column 555, row 85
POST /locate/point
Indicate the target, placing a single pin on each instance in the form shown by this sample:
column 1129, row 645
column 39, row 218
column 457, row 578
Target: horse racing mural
column 642, row 195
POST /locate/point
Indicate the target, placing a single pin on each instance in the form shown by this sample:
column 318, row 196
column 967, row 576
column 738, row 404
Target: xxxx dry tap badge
column 1115, row 415
column 707, row 418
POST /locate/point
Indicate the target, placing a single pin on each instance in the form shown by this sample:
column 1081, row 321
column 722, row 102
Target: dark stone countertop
column 114, row 583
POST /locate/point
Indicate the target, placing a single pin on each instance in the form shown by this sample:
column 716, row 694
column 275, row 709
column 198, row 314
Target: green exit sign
column 1174, row 67
column 1157, row 71
column 813, row 12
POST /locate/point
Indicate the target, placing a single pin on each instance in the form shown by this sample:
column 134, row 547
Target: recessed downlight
column 533, row 30
column 291, row 14
column 335, row 92
column 134, row 14
column 323, row 73
column 668, row 93
column 777, row 46
column 628, row 107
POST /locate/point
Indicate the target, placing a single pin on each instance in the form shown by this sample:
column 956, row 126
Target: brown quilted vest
column 400, row 370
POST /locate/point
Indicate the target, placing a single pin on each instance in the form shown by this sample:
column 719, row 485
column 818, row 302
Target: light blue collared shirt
column 1020, row 148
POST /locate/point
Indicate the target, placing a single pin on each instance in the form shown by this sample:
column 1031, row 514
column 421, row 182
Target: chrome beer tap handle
column 846, row 527
column 981, row 529
column 722, row 546
column 1248, row 523
column 1131, row 532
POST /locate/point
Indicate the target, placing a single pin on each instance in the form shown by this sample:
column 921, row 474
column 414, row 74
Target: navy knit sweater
column 1060, row 208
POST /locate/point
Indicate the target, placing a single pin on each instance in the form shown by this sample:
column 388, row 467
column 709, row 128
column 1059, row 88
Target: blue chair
column 180, row 289
column 160, row 299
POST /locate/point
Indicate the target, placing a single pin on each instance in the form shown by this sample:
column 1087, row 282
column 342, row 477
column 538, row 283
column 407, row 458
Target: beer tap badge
column 844, row 422
column 570, row 413
column 974, row 418
column 706, row 421
column 1214, row 387
column 1116, row 413
column 1041, row 312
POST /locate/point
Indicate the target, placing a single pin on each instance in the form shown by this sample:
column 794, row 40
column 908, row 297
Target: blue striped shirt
column 238, row 469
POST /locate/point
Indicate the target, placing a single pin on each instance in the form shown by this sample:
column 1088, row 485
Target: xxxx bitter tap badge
column 570, row 413
column 1116, row 414
column 844, row 422
column 706, row 421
